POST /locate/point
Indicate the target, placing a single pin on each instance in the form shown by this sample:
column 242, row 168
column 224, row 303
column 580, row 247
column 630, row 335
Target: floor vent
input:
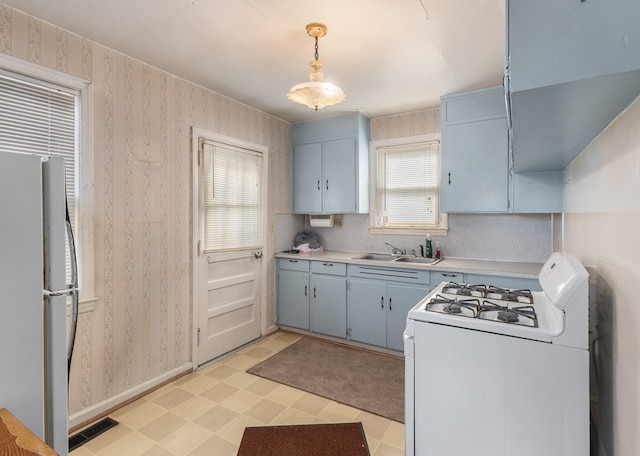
column 89, row 433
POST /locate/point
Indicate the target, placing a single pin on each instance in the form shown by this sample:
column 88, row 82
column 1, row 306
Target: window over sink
column 405, row 186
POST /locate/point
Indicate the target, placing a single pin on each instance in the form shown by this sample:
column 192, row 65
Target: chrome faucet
column 395, row 250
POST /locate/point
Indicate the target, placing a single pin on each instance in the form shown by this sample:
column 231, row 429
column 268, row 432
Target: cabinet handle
column 390, row 306
column 314, row 292
column 382, row 302
column 327, row 264
column 293, row 261
column 327, row 184
column 449, row 178
column 305, row 290
column 318, row 184
column 449, row 275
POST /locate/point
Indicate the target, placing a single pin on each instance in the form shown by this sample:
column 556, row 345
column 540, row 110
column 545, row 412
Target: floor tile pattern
column 205, row 412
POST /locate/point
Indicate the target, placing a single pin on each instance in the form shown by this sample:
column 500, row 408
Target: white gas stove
column 510, row 367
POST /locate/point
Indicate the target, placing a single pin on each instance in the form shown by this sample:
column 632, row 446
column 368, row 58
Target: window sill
column 84, row 306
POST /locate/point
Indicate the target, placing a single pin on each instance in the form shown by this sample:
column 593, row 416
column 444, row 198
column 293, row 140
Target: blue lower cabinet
column 293, row 299
column 367, row 313
column 328, row 305
column 401, row 299
column 377, row 311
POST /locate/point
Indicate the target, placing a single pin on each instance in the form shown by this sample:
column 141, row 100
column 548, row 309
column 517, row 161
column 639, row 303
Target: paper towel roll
column 325, row 221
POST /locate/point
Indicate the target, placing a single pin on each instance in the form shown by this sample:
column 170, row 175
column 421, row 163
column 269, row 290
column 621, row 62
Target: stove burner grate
column 464, row 307
column 506, row 294
column 510, row 315
column 462, row 289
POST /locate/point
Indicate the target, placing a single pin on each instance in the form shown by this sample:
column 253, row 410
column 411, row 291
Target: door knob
column 257, row 254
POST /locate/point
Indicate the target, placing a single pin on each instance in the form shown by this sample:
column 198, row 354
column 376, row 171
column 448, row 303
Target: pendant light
column 316, row 93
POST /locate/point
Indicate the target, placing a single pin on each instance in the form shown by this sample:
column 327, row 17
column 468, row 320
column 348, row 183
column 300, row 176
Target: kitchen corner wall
column 141, row 327
column 509, row 237
column 601, row 220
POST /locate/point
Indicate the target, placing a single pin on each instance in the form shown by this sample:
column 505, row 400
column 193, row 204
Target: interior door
column 230, row 252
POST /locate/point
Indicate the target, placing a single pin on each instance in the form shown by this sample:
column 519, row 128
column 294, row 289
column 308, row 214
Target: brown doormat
column 305, row 440
column 359, row 378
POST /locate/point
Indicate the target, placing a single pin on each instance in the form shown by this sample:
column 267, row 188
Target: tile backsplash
column 507, row 237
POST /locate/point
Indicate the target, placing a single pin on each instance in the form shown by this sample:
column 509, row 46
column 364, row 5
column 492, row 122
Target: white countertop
column 464, row 265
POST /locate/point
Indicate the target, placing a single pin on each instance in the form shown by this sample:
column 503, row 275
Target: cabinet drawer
column 444, row 276
column 329, row 267
column 293, row 264
column 392, row 274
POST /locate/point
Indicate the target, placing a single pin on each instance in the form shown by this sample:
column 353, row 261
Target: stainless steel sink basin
column 396, row 258
column 376, row 257
column 407, row 259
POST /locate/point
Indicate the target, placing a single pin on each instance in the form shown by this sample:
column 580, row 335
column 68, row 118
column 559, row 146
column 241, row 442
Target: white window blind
column 41, row 118
column 232, row 198
column 408, row 185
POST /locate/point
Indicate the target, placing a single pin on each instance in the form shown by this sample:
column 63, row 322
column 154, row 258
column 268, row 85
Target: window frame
column 440, row 229
column 84, row 230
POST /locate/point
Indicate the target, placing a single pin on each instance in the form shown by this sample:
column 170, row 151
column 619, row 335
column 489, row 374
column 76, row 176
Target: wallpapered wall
column 140, row 328
column 602, row 215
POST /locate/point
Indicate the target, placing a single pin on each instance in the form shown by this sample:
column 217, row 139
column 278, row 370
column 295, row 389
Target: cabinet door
column 340, row 176
column 329, row 305
column 400, row 300
column 293, row 299
column 367, row 310
column 475, row 174
column 307, row 178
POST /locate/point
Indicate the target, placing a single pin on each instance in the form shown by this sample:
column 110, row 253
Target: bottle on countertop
column 437, row 249
column 428, row 252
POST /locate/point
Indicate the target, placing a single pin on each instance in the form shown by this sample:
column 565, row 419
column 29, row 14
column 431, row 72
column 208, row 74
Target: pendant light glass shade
column 316, row 93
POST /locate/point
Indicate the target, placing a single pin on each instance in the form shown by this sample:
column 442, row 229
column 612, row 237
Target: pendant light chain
column 316, row 54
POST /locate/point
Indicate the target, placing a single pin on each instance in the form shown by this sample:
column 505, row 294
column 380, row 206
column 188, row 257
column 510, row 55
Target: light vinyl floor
column 205, row 412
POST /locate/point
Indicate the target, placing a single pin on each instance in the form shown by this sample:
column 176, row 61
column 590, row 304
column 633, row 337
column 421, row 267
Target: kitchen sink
column 396, row 258
column 408, row 259
column 377, row 257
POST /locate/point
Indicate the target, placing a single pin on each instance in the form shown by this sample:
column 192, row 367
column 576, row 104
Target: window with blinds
column 232, row 197
column 41, row 118
column 408, row 185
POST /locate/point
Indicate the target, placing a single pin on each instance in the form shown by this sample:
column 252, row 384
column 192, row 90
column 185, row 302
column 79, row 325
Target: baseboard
column 101, row 409
column 270, row 330
column 347, row 342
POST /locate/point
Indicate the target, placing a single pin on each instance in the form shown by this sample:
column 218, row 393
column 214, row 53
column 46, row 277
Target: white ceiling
column 389, row 56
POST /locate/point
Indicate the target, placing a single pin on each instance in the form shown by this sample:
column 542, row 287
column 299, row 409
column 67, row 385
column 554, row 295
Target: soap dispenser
column 427, row 247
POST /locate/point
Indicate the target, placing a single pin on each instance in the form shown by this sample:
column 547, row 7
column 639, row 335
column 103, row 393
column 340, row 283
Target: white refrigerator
column 34, row 341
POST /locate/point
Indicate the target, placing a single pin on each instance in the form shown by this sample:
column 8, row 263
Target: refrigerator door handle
column 72, row 288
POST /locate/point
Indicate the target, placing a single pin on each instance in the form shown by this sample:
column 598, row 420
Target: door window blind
column 408, row 190
column 41, row 118
column 232, row 198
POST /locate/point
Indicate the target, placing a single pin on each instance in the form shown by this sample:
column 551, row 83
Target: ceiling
column 389, row 56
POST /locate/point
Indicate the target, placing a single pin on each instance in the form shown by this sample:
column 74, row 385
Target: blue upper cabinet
column 330, row 165
column 475, row 159
column 572, row 66
column 476, row 163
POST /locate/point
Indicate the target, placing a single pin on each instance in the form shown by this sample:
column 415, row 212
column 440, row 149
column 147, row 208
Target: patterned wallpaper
column 422, row 122
column 140, row 328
